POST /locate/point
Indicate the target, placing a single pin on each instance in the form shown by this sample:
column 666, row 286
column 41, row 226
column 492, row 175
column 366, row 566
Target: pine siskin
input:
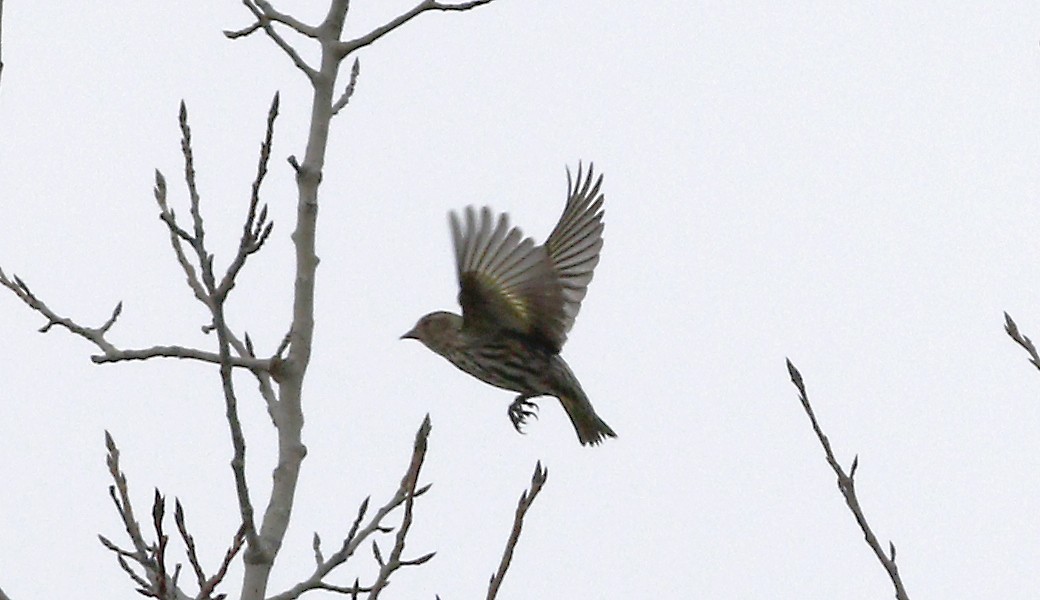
column 519, row 301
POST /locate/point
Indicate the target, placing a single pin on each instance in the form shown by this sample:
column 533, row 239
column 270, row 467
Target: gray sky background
column 856, row 188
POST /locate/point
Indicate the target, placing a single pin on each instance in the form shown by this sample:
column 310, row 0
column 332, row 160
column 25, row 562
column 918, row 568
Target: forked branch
column 146, row 563
column 256, row 231
column 327, row 33
column 95, row 335
column 204, row 284
column 256, row 228
column 847, row 486
column 405, row 495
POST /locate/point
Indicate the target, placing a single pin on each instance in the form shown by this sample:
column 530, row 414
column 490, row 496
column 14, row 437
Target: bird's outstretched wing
column 574, row 244
column 506, row 282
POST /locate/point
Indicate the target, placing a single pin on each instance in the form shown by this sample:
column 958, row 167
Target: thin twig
column 408, row 484
column 256, row 228
column 199, row 238
column 349, row 91
column 345, row 48
column 189, row 543
column 1012, row 329
column 142, row 584
column 253, row 364
column 847, row 486
column 95, row 335
column 158, row 512
column 251, row 243
column 120, row 494
column 526, row 500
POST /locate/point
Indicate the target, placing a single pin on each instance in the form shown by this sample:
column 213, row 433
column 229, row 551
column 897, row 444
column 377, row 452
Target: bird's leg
column 520, row 410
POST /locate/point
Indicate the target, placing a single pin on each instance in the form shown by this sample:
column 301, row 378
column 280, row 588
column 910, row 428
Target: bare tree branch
column 265, row 15
column 3, row 596
column 213, row 295
column 1012, row 330
column 144, row 561
column 110, row 353
column 255, row 232
column 289, row 371
column 345, row 48
column 526, row 500
column 96, row 335
column 288, row 412
column 253, row 364
column 150, row 558
column 847, row 486
column 189, row 543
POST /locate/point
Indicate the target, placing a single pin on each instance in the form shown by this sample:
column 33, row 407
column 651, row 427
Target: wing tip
column 586, row 185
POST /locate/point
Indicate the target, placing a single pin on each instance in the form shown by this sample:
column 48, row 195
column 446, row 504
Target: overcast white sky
column 855, row 188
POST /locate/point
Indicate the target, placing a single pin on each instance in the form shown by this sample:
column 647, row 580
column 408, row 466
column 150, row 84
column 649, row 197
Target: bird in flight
column 519, row 300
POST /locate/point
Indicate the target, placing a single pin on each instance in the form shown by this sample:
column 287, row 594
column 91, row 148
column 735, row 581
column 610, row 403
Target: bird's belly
column 524, row 373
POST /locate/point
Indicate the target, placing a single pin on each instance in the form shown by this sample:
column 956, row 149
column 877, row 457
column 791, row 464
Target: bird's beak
column 411, row 335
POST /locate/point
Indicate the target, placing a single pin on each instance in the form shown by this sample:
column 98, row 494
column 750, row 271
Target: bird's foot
column 520, row 410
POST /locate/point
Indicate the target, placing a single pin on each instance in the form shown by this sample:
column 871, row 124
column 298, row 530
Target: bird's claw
column 520, row 410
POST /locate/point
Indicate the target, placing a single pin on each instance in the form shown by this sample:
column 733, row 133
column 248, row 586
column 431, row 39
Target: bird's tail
column 590, row 428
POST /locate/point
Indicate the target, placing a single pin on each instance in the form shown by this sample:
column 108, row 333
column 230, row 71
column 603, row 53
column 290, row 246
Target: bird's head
column 438, row 331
